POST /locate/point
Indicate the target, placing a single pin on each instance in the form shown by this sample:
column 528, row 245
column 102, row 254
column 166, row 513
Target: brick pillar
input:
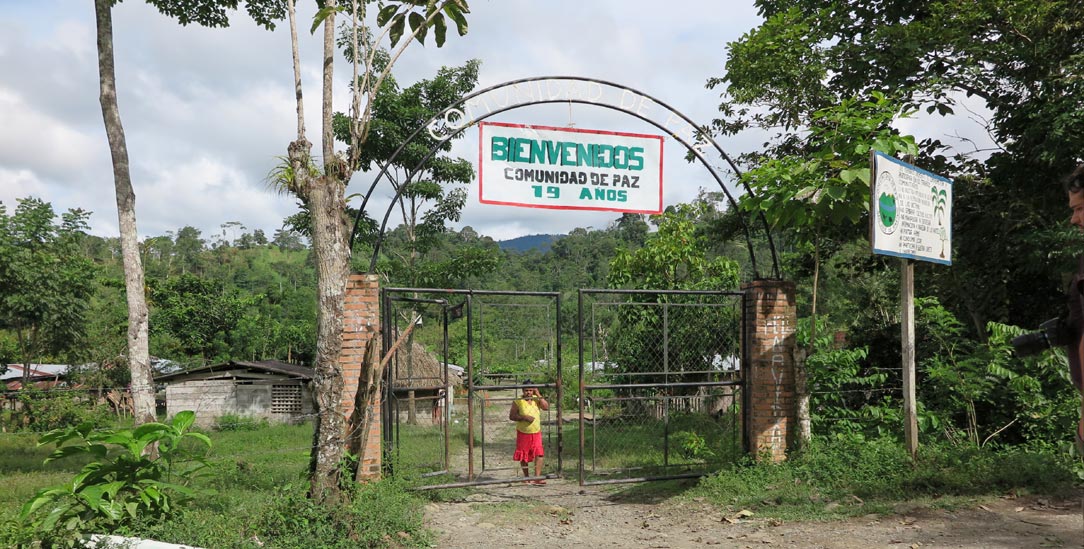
column 361, row 322
column 770, row 320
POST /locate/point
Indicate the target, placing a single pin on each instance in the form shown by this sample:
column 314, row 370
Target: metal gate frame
column 742, row 382
column 390, row 415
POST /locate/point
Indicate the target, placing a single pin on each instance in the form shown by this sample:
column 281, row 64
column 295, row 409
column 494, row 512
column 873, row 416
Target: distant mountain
column 540, row 242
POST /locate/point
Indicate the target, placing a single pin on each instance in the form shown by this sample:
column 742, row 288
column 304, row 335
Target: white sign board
column 911, row 211
column 569, row 169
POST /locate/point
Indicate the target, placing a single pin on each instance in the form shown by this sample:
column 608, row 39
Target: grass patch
column 260, row 480
column 511, row 512
column 842, row 478
column 625, row 446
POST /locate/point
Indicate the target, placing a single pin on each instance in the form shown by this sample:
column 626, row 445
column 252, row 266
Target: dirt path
column 562, row 514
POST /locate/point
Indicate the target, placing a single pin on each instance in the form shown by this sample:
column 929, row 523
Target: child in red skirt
column 526, row 412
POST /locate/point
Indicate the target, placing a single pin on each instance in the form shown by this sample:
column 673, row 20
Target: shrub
column 864, row 474
column 146, row 478
column 237, row 422
column 43, row 411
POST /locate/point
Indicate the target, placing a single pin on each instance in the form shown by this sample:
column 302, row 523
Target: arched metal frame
column 471, row 123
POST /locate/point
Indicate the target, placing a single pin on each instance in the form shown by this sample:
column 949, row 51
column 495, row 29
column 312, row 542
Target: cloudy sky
column 207, row 111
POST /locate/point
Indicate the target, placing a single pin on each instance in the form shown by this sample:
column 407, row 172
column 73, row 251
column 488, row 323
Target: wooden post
column 907, row 341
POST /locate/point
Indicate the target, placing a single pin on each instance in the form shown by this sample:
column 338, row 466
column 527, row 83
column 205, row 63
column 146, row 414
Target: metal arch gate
column 661, row 384
column 504, row 337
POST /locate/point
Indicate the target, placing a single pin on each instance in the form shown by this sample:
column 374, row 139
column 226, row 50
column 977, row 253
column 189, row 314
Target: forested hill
column 540, row 242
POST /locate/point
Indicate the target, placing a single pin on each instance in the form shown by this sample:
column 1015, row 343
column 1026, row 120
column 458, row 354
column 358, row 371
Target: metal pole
column 386, row 408
column 560, row 390
column 666, row 379
column 470, row 393
column 446, row 410
column 582, row 400
column 744, row 372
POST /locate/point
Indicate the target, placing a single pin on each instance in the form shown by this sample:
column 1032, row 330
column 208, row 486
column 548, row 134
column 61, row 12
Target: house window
column 286, row 399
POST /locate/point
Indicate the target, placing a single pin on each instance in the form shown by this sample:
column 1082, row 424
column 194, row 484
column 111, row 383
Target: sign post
column 911, row 218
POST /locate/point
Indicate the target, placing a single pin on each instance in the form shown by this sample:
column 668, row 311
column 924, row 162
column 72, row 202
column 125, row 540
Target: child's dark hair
column 1074, row 182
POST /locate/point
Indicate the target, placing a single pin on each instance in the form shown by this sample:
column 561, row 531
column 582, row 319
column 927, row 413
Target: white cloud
column 41, row 143
column 206, row 111
column 15, row 184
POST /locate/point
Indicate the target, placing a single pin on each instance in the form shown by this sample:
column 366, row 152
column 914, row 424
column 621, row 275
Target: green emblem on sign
column 887, row 209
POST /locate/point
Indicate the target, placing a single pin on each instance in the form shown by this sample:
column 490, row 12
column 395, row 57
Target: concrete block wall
column 361, row 323
column 770, row 317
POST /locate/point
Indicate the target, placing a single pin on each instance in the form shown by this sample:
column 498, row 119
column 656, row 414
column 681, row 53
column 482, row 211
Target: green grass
column 640, row 446
column 845, row 478
column 257, row 484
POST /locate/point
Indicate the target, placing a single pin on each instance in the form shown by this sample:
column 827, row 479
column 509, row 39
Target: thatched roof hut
column 416, row 368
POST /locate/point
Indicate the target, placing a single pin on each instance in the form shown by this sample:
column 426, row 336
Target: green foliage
column 146, row 475
column 46, row 410
column 237, row 422
column 826, row 182
column 376, row 511
column 847, row 397
column 214, row 13
column 199, row 313
column 431, row 193
column 981, row 392
column 432, row 14
column 674, row 258
column 862, row 476
column 45, row 280
column 693, row 446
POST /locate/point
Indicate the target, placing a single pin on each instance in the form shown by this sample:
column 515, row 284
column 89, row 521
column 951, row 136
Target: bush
column 43, row 411
column 865, row 474
column 236, row 422
column 148, row 477
column 378, row 514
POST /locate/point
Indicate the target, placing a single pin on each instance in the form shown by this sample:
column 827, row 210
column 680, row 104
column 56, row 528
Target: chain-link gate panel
column 661, row 383
column 450, row 384
column 420, row 383
column 515, row 344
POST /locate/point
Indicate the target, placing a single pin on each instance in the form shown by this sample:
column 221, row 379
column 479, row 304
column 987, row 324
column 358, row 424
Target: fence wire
column 495, row 343
column 661, row 378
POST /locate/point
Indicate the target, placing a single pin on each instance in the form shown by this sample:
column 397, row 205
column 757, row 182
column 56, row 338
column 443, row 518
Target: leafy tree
column 187, row 245
column 287, row 239
column 674, row 258
column 1019, row 58
column 199, row 313
column 322, row 191
column 434, row 194
column 45, row 281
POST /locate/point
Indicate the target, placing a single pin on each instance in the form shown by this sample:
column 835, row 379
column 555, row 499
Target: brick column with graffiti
column 770, row 318
column 361, row 323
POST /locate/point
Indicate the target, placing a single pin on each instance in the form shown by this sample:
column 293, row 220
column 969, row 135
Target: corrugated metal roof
column 272, row 366
column 15, row 371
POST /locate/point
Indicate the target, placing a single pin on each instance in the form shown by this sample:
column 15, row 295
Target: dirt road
column 561, row 514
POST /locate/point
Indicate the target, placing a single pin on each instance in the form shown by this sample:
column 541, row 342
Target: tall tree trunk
column 325, row 197
column 801, row 375
column 327, row 205
column 138, row 347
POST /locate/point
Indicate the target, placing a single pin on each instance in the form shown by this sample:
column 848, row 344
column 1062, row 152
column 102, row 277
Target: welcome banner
column 569, row 168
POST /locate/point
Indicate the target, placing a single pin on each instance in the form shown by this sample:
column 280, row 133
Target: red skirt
column 528, row 446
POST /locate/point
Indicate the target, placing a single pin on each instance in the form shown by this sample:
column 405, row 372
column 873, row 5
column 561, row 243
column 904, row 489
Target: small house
column 270, row 389
column 419, row 380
